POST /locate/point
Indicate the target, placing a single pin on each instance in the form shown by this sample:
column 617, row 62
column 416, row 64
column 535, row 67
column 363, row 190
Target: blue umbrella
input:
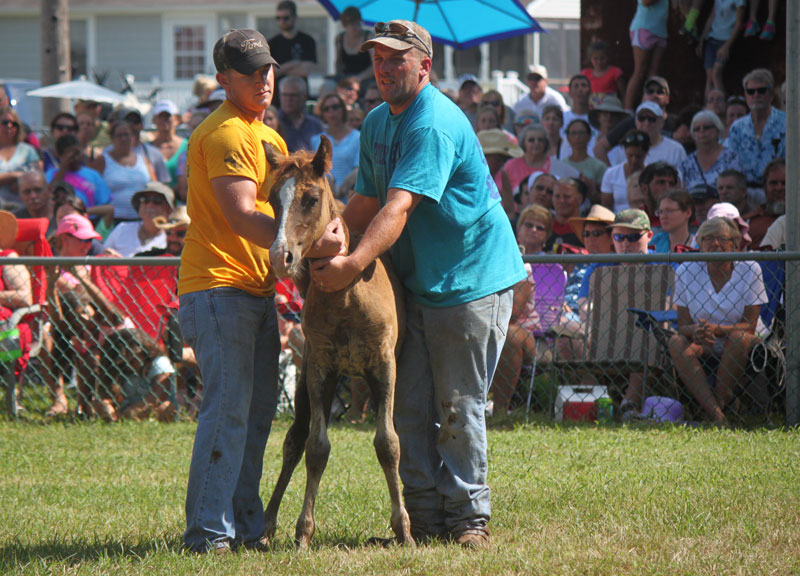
column 459, row 23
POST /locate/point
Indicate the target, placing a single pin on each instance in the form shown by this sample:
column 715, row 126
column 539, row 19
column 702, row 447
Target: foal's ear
column 272, row 154
column 322, row 159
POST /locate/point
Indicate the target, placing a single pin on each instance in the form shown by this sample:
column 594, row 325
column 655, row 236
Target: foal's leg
column 387, row 445
column 293, row 447
column 318, row 448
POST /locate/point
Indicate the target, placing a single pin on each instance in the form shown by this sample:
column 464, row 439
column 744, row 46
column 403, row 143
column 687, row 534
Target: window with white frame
column 189, row 51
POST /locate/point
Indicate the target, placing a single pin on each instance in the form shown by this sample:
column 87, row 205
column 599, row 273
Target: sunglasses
column 402, row 31
column 594, row 233
column 330, row 107
column 532, row 140
column 175, row 232
column 646, row 118
column 68, row 127
column 10, row 124
column 541, row 188
column 494, row 103
column 652, row 91
column 156, row 199
column 372, row 101
column 630, row 237
column 752, row 91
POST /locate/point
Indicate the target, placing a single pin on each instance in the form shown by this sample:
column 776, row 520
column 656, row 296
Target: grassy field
column 108, row 499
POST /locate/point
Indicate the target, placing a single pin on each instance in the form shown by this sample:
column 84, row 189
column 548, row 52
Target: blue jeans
column 446, row 366
column 235, row 340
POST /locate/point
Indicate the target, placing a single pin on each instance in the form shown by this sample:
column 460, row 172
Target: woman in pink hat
column 80, row 310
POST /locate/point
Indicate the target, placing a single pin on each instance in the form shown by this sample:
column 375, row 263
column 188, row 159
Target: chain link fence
column 598, row 338
column 696, row 338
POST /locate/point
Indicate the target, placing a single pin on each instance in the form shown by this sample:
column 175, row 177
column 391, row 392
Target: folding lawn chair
column 613, row 345
column 21, row 333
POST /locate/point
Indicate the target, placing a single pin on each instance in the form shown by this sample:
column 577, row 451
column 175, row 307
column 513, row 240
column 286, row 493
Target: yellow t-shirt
column 226, row 143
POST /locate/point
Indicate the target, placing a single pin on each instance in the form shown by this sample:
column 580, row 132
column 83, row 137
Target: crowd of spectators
column 565, row 163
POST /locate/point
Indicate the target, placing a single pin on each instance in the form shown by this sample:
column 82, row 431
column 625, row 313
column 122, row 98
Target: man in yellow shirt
column 226, row 289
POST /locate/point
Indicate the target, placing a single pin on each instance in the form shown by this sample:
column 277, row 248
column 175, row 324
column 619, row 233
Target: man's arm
column 237, row 199
column 338, row 272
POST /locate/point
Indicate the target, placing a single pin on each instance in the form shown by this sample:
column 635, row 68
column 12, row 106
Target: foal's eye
column 308, row 202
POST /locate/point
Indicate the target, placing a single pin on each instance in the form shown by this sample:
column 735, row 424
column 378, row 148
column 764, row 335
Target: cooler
column 577, row 403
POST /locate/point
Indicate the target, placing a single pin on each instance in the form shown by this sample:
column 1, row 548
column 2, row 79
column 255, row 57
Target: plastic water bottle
column 605, row 410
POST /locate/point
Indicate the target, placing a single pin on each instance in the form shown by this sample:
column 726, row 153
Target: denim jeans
column 235, row 340
column 446, row 366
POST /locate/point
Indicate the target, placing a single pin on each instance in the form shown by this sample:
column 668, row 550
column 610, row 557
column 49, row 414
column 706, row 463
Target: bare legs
column 686, row 356
column 519, row 346
column 646, row 63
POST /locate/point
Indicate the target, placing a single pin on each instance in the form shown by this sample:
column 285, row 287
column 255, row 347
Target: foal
column 355, row 331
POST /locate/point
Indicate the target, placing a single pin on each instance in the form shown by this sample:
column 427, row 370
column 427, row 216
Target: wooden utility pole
column 56, row 64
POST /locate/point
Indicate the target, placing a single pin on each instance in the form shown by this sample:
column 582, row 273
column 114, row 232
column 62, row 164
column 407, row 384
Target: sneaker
column 473, row 538
column 751, row 29
column 627, row 410
column 769, row 31
column 220, row 547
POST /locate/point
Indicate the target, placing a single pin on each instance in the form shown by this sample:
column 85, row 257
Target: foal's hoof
column 303, row 543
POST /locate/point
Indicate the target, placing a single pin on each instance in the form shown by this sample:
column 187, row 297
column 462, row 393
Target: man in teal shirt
column 424, row 192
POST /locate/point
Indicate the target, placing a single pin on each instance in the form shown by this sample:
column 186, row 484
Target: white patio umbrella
column 79, row 90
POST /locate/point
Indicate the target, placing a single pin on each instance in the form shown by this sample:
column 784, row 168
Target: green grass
column 92, row 498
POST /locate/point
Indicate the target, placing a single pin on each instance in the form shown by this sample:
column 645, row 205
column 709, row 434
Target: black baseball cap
column 703, row 192
column 245, row 50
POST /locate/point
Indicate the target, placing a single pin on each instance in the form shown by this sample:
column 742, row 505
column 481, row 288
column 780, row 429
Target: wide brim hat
column 495, row 141
column 597, row 213
column 156, row 188
column 8, row 229
column 610, row 104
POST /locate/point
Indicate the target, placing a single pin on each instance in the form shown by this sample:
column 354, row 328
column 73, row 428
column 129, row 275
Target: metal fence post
column 792, row 212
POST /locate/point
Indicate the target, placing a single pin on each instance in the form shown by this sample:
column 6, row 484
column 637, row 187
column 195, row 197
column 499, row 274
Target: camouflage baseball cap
column 631, row 218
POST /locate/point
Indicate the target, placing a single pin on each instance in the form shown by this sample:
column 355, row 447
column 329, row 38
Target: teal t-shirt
column 458, row 245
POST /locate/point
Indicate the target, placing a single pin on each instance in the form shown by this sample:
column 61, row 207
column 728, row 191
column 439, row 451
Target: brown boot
column 473, row 538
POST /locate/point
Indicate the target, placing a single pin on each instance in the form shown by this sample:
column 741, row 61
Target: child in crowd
column 648, row 33
column 605, row 80
column 753, row 28
column 139, row 373
column 720, row 32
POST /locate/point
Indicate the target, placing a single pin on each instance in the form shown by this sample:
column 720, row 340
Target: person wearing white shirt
column 540, row 94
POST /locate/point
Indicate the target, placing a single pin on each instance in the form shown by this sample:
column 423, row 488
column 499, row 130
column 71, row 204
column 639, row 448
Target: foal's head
column 303, row 203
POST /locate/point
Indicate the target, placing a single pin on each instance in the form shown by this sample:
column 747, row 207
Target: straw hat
column 8, row 229
column 495, row 141
column 597, row 213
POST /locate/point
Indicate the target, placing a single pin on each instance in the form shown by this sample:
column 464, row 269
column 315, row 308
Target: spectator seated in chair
column 139, row 375
column 718, row 306
column 533, row 227
column 81, row 315
column 15, row 287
